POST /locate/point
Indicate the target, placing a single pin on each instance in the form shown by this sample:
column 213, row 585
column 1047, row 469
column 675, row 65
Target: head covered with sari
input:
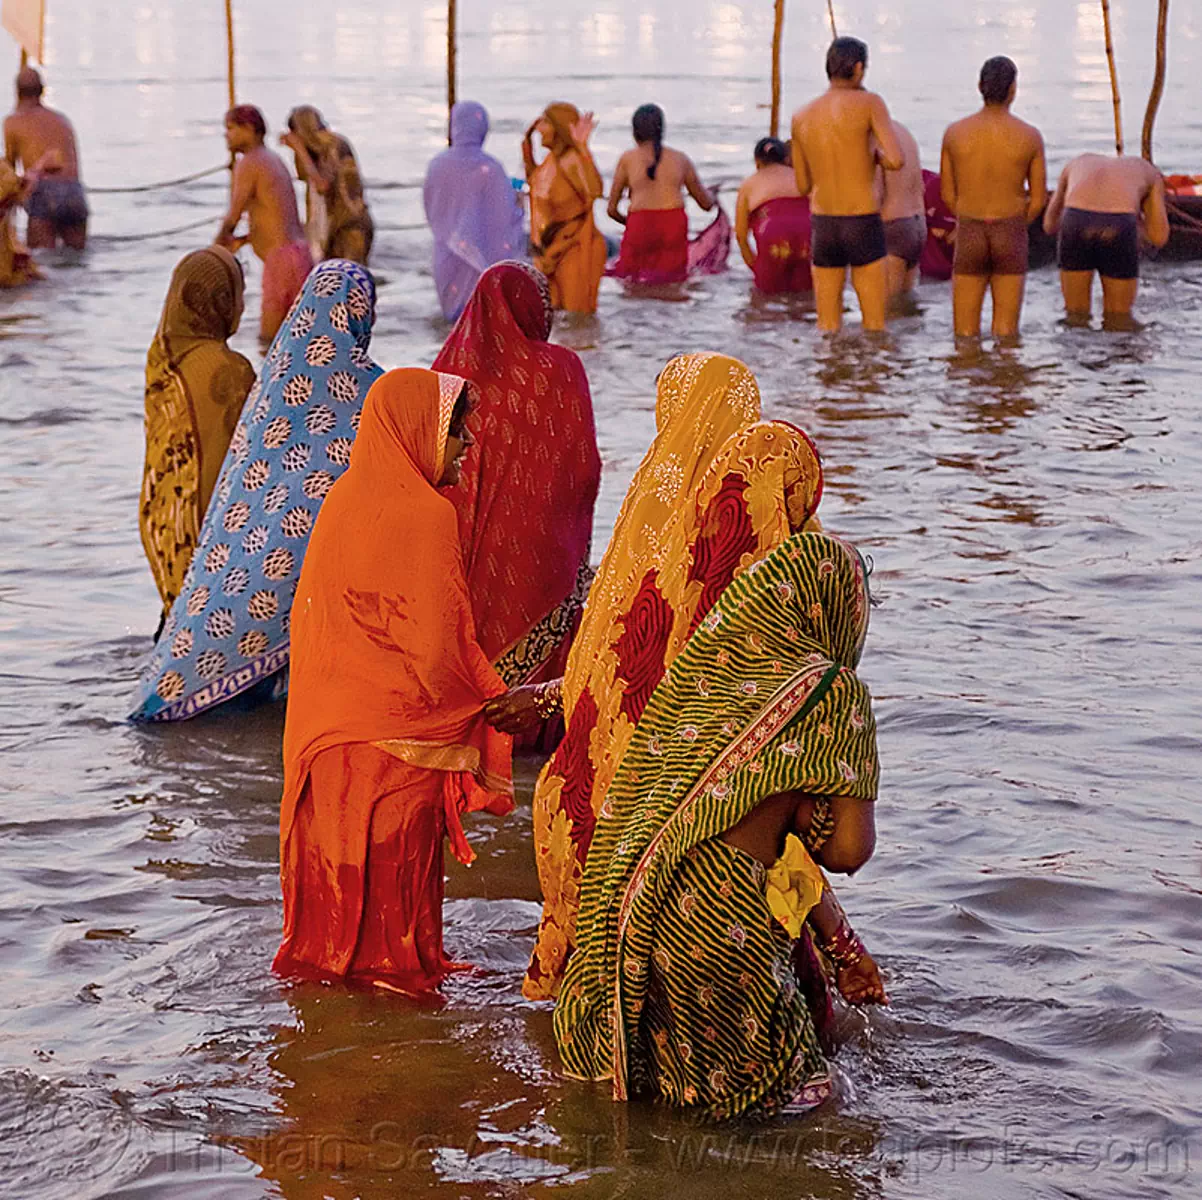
column 472, row 210
column 228, row 629
column 717, row 490
column 195, row 388
column 525, row 498
column 561, row 116
column 764, row 699
column 310, row 126
column 384, row 644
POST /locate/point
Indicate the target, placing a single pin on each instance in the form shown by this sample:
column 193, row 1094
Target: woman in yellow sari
column 563, row 187
column 717, row 491
column 195, row 388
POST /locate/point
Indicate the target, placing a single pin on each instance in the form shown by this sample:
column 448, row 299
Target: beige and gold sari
column 195, row 389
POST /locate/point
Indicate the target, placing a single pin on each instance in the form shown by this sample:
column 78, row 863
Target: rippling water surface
column 1033, row 517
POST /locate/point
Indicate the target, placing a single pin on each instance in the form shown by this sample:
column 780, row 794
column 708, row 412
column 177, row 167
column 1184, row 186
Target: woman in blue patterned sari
column 228, row 630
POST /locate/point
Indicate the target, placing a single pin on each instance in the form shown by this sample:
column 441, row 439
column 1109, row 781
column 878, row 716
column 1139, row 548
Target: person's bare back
column 993, row 167
column 1104, row 183
column 904, row 192
column 837, row 141
column 773, row 182
column 39, row 139
column 262, row 188
column 673, row 177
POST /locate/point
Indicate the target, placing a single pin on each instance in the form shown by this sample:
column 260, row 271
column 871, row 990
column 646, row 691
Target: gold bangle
column 548, row 699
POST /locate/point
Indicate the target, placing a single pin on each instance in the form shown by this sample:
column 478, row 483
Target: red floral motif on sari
column 727, row 535
column 646, row 629
column 572, row 763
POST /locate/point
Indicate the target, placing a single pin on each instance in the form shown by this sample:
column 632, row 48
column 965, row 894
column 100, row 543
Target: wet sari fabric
column 474, row 213
column 716, row 492
column 195, row 388
column 568, row 249
column 526, row 493
column 681, row 986
column 338, row 220
column 781, row 228
column 228, row 629
column 385, row 746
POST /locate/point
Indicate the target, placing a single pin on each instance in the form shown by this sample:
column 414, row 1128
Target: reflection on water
column 1031, row 514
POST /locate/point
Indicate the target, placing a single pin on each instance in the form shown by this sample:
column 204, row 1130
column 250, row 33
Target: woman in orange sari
column 563, row 187
column 384, row 744
column 717, row 491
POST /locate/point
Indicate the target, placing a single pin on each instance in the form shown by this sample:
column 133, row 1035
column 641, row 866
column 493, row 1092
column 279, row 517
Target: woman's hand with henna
column 861, row 983
column 515, row 712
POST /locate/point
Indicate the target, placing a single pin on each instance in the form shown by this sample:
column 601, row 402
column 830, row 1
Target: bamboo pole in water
column 452, row 65
column 229, row 50
column 830, row 12
column 777, row 29
column 1114, row 78
column 1162, row 30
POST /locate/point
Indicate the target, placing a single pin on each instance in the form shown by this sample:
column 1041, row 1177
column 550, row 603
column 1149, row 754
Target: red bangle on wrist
column 844, row 948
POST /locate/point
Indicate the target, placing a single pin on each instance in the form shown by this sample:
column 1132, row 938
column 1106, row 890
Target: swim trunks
column 59, row 201
column 905, row 238
column 655, row 247
column 847, row 241
column 284, row 273
column 991, row 247
column 1097, row 241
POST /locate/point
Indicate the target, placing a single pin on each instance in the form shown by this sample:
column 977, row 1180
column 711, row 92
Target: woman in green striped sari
column 682, row 986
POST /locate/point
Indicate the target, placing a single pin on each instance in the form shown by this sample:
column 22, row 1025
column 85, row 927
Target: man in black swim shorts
column 42, row 142
column 838, row 141
column 1097, row 211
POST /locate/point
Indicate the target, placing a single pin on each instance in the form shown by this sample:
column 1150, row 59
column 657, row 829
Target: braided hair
column 648, row 125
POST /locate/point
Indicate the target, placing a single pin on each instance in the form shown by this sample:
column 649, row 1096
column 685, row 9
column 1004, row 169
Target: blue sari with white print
column 228, row 630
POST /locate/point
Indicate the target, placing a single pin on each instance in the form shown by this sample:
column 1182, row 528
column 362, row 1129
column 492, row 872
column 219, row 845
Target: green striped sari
column 681, row 985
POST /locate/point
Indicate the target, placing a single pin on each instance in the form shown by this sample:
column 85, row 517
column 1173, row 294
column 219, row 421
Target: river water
column 1032, row 513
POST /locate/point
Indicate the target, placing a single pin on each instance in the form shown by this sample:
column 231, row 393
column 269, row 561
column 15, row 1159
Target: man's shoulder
column 1031, row 131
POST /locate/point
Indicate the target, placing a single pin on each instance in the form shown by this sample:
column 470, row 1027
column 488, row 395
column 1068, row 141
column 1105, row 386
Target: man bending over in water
column 655, row 246
column 262, row 188
column 904, row 212
column 43, row 142
column 838, row 140
column 994, row 178
column 1097, row 211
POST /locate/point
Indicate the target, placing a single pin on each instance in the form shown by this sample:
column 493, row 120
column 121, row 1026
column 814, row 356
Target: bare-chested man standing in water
column 994, row 178
column 838, row 140
column 904, row 212
column 42, row 142
column 262, row 189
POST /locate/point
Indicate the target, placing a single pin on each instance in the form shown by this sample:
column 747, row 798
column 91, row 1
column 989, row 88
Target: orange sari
column 384, row 745
column 717, row 491
column 567, row 247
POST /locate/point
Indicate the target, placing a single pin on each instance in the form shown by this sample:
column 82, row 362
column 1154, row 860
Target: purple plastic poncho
column 473, row 210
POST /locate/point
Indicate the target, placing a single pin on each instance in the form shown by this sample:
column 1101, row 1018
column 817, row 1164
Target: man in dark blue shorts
column 42, row 142
column 838, row 140
column 1099, row 207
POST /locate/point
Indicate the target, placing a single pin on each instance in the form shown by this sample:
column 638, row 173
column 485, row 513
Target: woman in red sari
column 525, row 499
column 384, row 744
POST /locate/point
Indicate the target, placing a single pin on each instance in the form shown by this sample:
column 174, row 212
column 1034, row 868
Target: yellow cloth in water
column 795, row 885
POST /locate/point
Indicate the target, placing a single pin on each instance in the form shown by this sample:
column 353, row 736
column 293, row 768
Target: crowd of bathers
column 405, row 556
